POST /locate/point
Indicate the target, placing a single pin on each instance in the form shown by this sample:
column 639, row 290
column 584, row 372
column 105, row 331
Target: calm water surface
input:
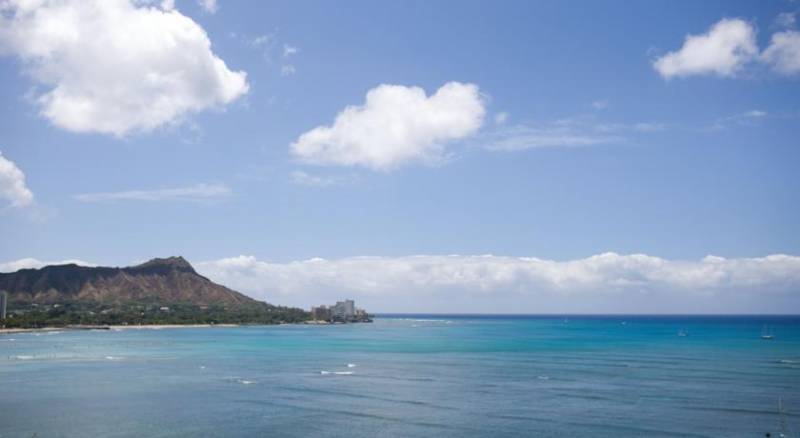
column 408, row 375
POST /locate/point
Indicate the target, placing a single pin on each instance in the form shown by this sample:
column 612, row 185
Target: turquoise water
column 409, row 376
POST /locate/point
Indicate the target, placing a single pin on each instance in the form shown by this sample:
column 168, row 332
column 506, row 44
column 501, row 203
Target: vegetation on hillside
column 91, row 313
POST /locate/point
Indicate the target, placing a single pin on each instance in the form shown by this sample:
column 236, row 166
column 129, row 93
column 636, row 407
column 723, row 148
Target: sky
column 514, row 157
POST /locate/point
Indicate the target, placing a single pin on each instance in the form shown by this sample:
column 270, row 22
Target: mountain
column 136, row 294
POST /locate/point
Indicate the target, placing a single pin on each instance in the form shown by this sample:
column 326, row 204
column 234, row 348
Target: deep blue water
column 410, row 375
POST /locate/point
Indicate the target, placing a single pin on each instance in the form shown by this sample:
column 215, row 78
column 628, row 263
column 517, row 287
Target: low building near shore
column 342, row 312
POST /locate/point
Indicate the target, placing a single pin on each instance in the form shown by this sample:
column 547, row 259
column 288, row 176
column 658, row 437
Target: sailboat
column 766, row 333
column 683, row 333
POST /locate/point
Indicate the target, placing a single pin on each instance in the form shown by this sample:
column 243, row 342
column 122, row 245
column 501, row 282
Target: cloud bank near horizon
column 608, row 282
column 603, row 283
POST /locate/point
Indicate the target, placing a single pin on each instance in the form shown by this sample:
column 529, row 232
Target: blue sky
column 573, row 141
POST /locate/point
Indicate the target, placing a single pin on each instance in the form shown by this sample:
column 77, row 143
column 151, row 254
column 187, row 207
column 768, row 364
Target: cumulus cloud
column 30, row 263
column 195, row 193
column 723, row 50
column 12, row 184
column 602, row 283
column 783, row 53
column 396, row 125
column 116, row 66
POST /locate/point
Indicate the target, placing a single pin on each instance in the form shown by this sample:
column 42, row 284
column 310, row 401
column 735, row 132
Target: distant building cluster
column 342, row 311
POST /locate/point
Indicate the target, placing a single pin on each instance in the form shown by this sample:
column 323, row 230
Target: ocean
column 411, row 376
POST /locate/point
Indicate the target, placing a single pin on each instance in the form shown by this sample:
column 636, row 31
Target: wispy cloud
column 272, row 50
column 566, row 132
column 786, row 20
column 289, row 50
column 288, row 70
column 209, row 6
column 194, row 193
column 501, row 118
column 313, row 180
column 747, row 118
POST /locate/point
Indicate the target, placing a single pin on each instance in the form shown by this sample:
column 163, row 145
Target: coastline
column 8, row 331
column 5, row 331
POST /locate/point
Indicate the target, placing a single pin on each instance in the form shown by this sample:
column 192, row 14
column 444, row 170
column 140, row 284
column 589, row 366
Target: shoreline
column 7, row 331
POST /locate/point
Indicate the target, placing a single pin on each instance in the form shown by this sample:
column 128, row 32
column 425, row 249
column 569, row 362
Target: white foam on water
column 543, row 377
column 343, row 373
column 23, row 357
column 113, row 358
column 351, row 365
column 323, row 372
column 246, row 382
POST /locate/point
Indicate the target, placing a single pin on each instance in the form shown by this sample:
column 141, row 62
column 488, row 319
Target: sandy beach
column 5, row 331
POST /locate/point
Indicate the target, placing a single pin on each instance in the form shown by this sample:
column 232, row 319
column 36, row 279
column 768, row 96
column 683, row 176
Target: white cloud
column 209, row 6
column 723, row 51
column 289, row 50
column 786, row 19
column 311, row 180
column 500, row 118
column 116, row 66
column 196, row 193
column 601, row 283
column 755, row 113
column 521, row 137
column 396, row 125
column 29, row 263
column 12, row 184
column 567, row 132
column 748, row 118
column 600, row 104
column 263, row 40
column 287, row 70
column 783, row 53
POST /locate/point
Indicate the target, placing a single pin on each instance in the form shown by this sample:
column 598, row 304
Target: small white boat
column 766, row 333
